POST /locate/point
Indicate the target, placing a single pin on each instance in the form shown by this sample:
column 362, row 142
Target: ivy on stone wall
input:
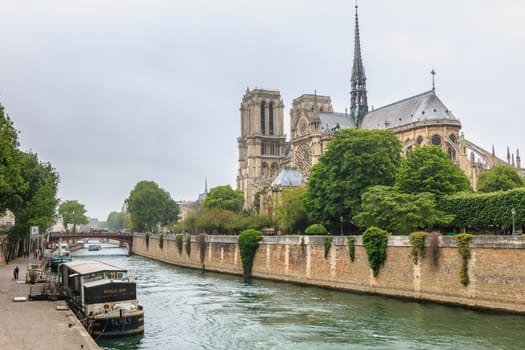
column 417, row 241
column 146, row 237
column 178, row 240
column 201, row 243
column 351, row 247
column 327, row 245
column 375, row 241
column 463, row 241
column 188, row 244
column 248, row 241
column 161, row 240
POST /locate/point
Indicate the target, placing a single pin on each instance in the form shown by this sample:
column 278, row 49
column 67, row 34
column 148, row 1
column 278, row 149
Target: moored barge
column 104, row 298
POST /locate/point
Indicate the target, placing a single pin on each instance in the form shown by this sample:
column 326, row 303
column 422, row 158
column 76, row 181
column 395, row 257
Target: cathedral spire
column 358, row 100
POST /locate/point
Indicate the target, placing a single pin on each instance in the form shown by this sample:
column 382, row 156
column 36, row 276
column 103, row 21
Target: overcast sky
column 112, row 92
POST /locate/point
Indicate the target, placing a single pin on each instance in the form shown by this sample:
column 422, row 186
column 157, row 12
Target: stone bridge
column 124, row 237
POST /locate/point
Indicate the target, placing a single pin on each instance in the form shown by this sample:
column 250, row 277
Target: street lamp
column 341, row 219
column 513, row 212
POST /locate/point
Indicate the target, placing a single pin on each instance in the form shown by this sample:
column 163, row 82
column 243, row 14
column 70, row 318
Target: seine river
column 188, row 309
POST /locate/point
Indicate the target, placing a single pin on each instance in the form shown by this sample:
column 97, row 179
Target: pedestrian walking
column 15, row 273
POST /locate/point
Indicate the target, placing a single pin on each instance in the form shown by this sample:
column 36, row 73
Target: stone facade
column 497, row 281
column 262, row 142
column 421, row 119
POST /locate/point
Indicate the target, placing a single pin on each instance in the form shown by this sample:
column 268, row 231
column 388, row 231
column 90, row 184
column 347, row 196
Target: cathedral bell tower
column 262, row 141
column 358, row 100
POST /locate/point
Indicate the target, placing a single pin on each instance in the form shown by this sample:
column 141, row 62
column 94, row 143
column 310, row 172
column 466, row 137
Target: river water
column 188, row 309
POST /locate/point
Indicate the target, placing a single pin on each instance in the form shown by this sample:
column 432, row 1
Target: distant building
column 188, row 207
column 265, row 156
column 7, row 220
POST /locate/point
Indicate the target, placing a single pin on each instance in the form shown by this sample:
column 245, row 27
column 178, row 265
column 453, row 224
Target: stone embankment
column 36, row 324
column 496, row 268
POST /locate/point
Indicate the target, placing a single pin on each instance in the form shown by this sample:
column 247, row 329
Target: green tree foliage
column 290, row 213
column 500, row 178
column 257, row 202
column 353, row 161
column 28, row 187
column 428, row 169
column 400, row 213
column 316, row 229
column 149, row 206
column 73, row 213
column 224, row 197
column 485, row 212
column 12, row 184
column 248, row 241
column 118, row 221
column 375, row 241
column 217, row 221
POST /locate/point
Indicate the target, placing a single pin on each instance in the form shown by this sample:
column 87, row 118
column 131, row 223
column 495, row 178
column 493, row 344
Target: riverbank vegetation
column 248, row 241
column 28, row 188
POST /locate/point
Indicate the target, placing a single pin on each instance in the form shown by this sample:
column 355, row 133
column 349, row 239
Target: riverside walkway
column 36, row 324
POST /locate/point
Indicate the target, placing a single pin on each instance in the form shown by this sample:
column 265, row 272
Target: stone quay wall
column 496, row 267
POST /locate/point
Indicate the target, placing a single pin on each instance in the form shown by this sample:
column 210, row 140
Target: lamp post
column 341, row 219
column 513, row 212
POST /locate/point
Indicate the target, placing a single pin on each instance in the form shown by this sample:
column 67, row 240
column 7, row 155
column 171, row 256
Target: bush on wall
column 178, row 240
column 161, row 240
column 375, row 241
column 463, row 241
column 248, row 241
column 417, row 241
column 188, row 244
column 327, row 245
column 351, row 247
column 316, row 229
column 146, row 237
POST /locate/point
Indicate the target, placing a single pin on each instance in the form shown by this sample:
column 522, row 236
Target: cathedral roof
column 423, row 107
column 331, row 122
column 288, row 177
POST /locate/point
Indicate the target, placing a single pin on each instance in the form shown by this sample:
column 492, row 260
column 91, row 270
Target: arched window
column 436, row 140
column 453, row 138
column 274, row 169
column 451, row 153
column 270, row 117
column 263, row 121
column 419, row 140
column 264, row 169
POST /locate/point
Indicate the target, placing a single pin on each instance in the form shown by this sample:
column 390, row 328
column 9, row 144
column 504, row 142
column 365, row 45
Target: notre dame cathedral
column 268, row 163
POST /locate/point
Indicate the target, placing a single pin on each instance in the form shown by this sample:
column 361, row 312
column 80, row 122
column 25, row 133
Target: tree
column 500, row 178
column 149, row 206
column 290, row 213
column 28, row 187
column 73, row 213
column 12, row 184
column 354, row 161
column 428, row 169
column 224, row 197
column 399, row 213
column 217, row 220
column 118, row 221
